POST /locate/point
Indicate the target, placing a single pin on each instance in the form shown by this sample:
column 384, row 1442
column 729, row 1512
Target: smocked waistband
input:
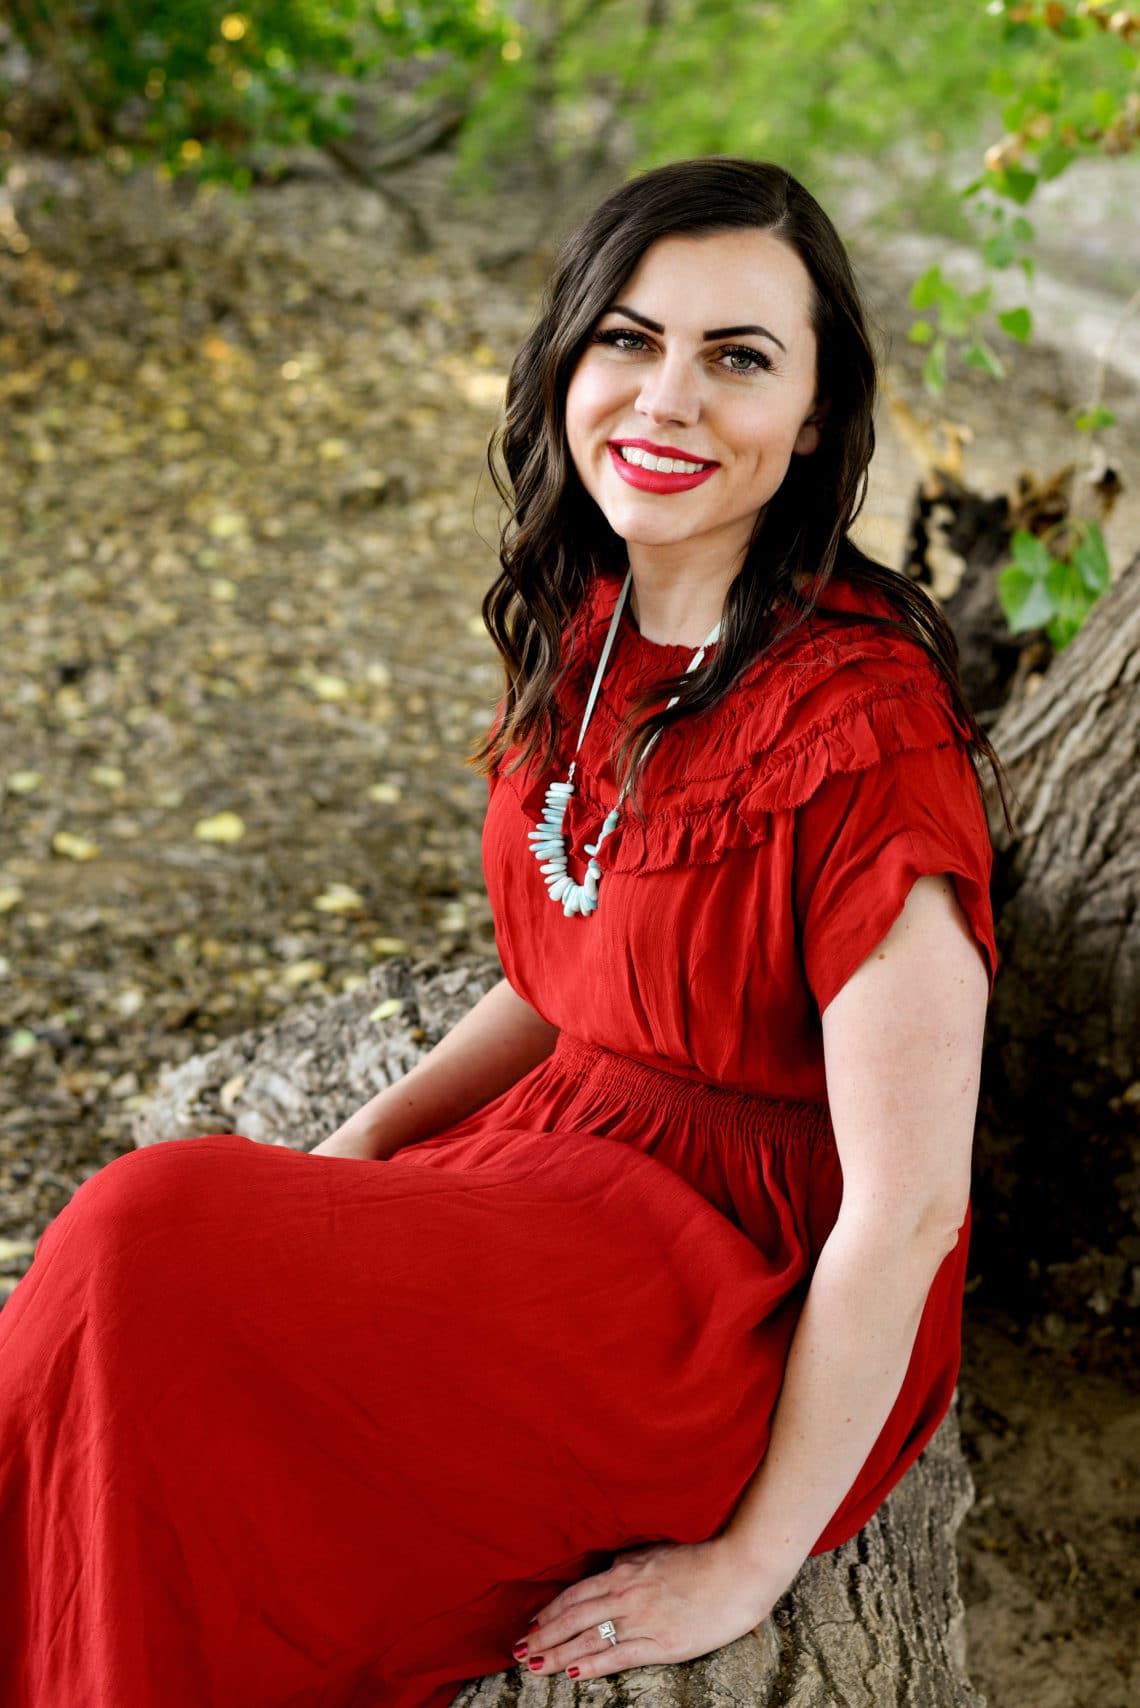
column 675, row 1094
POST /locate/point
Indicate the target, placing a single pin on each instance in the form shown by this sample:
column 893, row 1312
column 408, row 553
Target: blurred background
column 263, row 272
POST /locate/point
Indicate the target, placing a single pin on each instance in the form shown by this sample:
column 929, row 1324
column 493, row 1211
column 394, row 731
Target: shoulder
column 847, row 688
column 856, row 632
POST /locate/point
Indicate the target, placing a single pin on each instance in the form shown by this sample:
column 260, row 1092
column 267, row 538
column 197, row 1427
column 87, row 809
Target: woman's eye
column 616, row 334
column 755, row 359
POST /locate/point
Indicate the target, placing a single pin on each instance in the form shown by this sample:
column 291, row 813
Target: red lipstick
column 652, row 480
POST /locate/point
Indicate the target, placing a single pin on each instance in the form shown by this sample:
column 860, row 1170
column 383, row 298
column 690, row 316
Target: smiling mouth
column 638, row 457
column 649, row 473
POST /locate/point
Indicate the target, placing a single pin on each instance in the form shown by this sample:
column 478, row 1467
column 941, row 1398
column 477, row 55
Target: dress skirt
column 288, row 1431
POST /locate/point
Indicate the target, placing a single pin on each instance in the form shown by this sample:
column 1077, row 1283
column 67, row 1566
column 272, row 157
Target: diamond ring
column 608, row 1630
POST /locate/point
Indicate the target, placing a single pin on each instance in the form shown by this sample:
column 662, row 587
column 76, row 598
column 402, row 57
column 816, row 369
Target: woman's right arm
column 494, row 1045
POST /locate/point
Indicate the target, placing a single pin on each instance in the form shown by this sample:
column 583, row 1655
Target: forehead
column 718, row 279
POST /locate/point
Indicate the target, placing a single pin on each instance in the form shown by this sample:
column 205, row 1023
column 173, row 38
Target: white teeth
column 663, row 465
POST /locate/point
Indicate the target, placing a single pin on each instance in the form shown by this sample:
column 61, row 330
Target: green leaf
column 1024, row 599
column 1031, row 554
column 1061, row 631
column 1020, row 35
column 1027, row 264
column 1015, row 183
column 1053, row 158
column 1090, row 560
column 955, row 312
column 928, row 291
column 934, row 368
column 1071, row 599
column 921, row 332
column 979, row 355
column 1092, row 420
column 1022, row 229
column 1105, row 107
column 1046, row 93
column 998, row 250
column 1018, row 322
column 1014, row 112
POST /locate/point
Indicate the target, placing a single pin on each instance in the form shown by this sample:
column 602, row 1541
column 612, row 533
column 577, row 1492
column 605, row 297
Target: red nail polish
column 572, row 1671
column 534, row 1662
column 533, row 1626
column 519, row 1651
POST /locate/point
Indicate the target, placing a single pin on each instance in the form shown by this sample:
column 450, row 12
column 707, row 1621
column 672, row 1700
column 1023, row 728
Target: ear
column 811, row 431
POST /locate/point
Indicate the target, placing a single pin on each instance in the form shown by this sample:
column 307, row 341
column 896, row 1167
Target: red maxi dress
column 283, row 1431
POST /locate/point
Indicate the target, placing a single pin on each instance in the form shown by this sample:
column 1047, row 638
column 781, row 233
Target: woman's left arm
column 902, row 1046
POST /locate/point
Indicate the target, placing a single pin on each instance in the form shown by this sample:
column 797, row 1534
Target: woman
column 658, row 1290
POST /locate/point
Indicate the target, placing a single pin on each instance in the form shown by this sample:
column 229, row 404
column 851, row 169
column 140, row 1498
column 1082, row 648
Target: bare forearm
column 491, row 1048
column 846, row 1365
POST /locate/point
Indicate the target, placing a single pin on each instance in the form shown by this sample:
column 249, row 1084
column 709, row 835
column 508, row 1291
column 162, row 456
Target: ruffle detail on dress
column 828, row 702
column 701, row 819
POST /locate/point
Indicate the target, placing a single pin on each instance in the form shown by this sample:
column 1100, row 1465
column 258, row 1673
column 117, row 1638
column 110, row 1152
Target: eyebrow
column 717, row 331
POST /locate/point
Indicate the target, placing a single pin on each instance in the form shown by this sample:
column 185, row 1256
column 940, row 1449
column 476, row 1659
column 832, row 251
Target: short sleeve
column 862, row 840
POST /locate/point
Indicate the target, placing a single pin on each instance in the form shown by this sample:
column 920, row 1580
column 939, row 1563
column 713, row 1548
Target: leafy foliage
column 212, row 88
column 1068, row 78
column 216, row 89
column 1041, row 590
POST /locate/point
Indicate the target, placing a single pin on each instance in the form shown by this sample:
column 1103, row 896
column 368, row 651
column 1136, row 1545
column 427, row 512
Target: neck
column 678, row 608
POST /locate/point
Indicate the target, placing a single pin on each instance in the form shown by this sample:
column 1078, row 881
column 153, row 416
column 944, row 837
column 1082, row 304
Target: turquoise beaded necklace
column 547, row 840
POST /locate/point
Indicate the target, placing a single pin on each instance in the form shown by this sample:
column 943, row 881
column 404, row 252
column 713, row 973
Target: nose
column 670, row 392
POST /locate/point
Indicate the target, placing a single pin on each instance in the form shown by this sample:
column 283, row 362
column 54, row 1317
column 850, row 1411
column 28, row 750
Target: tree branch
column 39, row 31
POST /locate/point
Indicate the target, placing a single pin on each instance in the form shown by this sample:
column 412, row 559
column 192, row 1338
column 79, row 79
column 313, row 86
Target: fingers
column 625, row 1570
column 567, row 1631
column 572, row 1640
column 577, row 1623
column 586, row 1589
column 581, row 1660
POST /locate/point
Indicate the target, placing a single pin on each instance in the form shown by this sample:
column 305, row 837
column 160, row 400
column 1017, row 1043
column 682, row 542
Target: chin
column 643, row 534
column 638, row 522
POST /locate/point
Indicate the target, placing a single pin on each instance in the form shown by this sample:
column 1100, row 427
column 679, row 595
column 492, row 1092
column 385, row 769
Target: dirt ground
column 1048, row 1553
column 245, row 529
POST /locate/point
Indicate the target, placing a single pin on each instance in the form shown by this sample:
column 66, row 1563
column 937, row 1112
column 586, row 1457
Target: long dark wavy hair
column 556, row 540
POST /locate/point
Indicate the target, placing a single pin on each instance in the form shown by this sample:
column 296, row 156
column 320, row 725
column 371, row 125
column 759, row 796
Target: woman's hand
column 668, row 1602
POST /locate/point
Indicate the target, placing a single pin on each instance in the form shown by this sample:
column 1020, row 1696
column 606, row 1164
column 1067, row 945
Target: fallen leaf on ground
column 11, row 1250
column 74, row 847
column 339, row 898
column 302, row 972
column 226, row 525
column 329, row 687
column 222, row 827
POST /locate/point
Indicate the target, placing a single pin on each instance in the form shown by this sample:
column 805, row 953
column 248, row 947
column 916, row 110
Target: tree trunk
column 1059, row 1160
column 874, row 1624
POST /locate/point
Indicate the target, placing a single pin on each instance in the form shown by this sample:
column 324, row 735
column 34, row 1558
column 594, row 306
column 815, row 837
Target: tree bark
column 874, row 1624
column 1059, row 1159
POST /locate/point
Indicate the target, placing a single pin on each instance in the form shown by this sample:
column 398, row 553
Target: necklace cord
column 605, row 658
column 547, row 842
